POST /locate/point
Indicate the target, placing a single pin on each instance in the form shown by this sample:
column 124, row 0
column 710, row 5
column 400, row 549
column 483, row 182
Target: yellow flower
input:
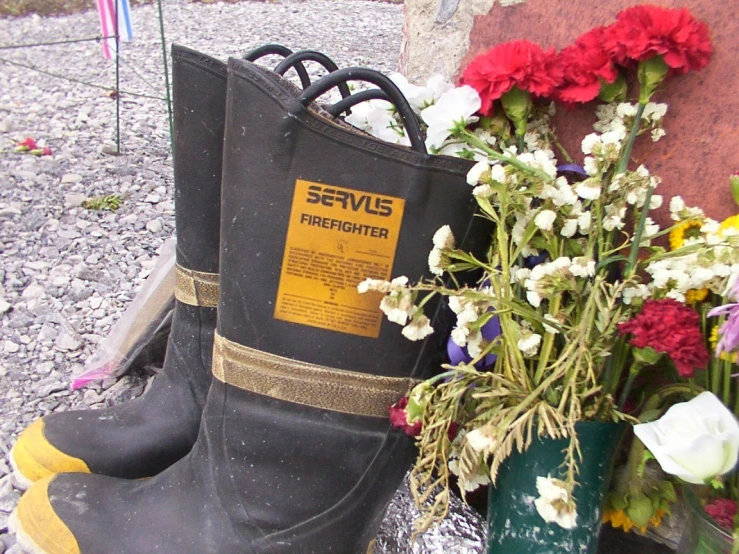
column 696, row 295
column 689, row 228
column 729, row 223
column 619, row 518
column 713, row 339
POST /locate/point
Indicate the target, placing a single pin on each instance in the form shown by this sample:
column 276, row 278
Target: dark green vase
column 514, row 524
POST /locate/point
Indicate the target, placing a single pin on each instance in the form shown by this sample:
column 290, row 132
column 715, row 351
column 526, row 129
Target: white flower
column 383, row 286
column 480, row 440
column 555, row 504
column 582, row 267
column 437, row 261
column 589, row 142
column 589, row 189
column 545, row 219
column 478, row 172
column 655, row 202
column 498, row 174
column 443, row 238
column 583, row 221
column 657, row 133
column 455, row 109
column 549, row 328
column 677, row 205
column 482, row 191
column 376, row 118
column 696, row 440
column 614, row 218
column 419, row 328
column 529, row 345
column 625, row 110
column 569, row 228
column 654, row 112
column 639, row 291
column 534, row 298
column 459, row 336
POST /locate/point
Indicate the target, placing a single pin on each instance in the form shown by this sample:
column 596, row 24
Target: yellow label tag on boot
column 336, row 238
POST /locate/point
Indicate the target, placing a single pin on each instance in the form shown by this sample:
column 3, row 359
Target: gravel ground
column 68, row 273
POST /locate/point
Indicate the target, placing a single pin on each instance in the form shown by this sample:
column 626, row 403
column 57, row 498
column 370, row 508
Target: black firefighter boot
column 143, row 437
column 295, row 453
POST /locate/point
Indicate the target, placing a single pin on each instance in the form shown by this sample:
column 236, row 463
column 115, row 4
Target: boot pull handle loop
column 357, row 98
column 396, row 97
column 279, row 50
column 294, row 60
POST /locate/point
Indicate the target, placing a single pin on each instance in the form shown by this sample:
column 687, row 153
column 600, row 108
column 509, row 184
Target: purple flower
column 458, row 354
column 729, row 331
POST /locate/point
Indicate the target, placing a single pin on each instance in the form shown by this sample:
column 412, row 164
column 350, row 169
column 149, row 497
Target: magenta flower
column 729, row 331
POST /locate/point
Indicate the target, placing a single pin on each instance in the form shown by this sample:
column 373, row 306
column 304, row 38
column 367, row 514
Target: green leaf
column 734, row 183
column 517, row 105
column 651, row 73
column 610, row 259
column 613, row 92
column 640, row 509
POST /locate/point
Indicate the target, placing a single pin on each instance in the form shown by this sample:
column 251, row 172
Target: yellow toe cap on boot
column 33, row 457
column 38, row 529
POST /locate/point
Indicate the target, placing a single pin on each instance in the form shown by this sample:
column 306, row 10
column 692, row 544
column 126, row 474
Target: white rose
column 695, row 440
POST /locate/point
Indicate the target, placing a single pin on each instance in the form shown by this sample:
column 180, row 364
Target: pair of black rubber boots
column 281, row 210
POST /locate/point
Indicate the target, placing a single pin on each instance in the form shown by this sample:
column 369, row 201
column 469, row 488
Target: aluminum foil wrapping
column 462, row 531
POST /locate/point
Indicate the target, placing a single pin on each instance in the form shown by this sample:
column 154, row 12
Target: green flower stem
column 633, row 373
column 656, row 399
column 473, row 140
column 636, row 241
column 548, row 343
column 623, row 162
column 727, row 381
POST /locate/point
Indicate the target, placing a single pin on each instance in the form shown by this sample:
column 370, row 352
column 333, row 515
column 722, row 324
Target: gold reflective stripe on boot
column 196, row 288
column 312, row 385
column 38, row 528
column 34, row 457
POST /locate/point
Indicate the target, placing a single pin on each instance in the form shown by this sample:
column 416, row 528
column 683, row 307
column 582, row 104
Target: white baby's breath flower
column 549, row 328
column 481, row 440
column 657, row 133
column 590, row 165
column 534, row 298
column 419, row 328
column 583, row 221
column 569, row 228
column 478, row 173
column 639, row 291
column 654, row 112
column 482, row 191
column 459, row 336
column 614, row 217
column 545, row 219
column 582, row 267
column 589, row 189
column 655, row 202
column 555, row 503
column 498, row 174
column 529, row 345
column 625, row 109
column 589, row 142
column 437, row 261
column 444, row 238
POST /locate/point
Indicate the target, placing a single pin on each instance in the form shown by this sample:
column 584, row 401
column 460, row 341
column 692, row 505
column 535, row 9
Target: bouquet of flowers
column 560, row 323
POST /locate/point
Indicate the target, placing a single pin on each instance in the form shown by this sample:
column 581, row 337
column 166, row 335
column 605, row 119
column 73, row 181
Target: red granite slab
column 701, row 148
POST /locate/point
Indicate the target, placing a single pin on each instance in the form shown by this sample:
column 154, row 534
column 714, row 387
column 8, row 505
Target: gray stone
column 71, row 178
column 74, row 200
column 47, row 386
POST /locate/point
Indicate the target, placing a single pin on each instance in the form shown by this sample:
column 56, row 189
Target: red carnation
column 399, row 418
column 671, row 327
column 722, row 510
column 26, row 145
column 519, row 63
column 643, row 32
column 584, row 66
